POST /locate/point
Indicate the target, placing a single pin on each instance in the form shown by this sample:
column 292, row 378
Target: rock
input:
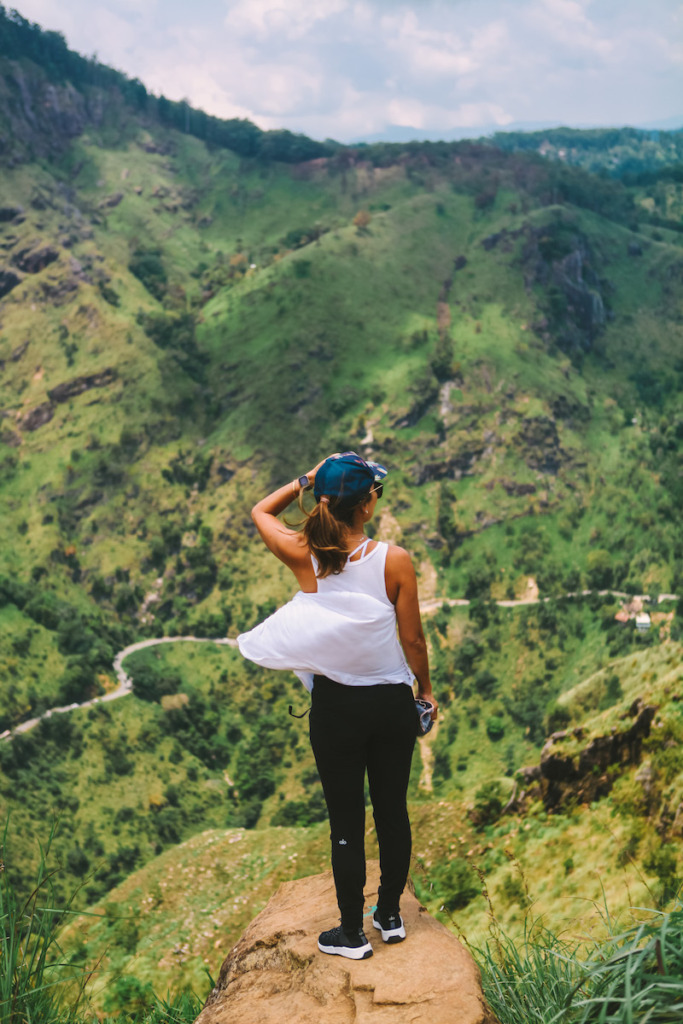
column 10, row 212
column 70, row 388
column 8, row 281
column 9, row 438
column 276, row 973
column 538, row 438
column 37, row 417
column 110, row 201
column 34, row 258
column 19, row 351
column 492, row 240
column 585, row 778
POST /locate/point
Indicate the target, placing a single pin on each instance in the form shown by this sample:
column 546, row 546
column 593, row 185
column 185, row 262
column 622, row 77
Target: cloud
column 345, row 68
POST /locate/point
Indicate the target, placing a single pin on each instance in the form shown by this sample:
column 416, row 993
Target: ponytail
column 325, row 531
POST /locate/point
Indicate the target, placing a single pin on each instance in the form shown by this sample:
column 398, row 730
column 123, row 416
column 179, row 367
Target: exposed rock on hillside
column 276, row 973
column 35, row 257
column 8, row 281
column 78, row 385
column 565, row 775
column 540, row 444
column 37, row 417
column 39, row 118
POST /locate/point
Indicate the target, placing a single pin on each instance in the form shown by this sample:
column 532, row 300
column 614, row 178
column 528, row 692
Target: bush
column 495, row 728
column 147, row 266
column 488, row 803
column 457, row 885
column 485, row 683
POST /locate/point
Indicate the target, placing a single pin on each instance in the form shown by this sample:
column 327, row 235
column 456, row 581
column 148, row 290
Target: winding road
column 125, row 683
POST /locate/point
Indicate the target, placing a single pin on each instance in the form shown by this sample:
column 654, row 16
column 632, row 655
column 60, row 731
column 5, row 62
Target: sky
column 356, row 69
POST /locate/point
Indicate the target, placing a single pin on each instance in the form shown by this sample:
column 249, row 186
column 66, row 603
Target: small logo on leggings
column 342, row 842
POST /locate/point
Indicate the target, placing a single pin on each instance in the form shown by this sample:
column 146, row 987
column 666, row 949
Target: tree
column 600, row 572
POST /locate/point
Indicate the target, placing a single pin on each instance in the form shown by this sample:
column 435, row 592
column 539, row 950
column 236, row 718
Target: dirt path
column 426, row 607
column 125, row 682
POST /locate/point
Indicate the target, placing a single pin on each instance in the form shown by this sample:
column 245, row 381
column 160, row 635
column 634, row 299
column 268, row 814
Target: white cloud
column 345, row 68
column 293, row 18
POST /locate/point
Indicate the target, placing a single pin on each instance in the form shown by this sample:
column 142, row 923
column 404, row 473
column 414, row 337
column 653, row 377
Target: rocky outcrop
column 584, row 777
column 110, row 201
column 71, row 388
column 39, row 118
column 540, row 444
column 9, row 212
column 451, row 467
column 37, row 417
column 35, row 257
column 44, row 412
column 583, row 296
column 276, row 973
column 8, row 280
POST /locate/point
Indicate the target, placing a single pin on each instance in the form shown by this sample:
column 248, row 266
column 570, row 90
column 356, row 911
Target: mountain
column 188, row 318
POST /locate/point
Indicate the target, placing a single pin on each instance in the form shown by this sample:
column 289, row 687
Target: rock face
column 585, row 777
column 276, row 973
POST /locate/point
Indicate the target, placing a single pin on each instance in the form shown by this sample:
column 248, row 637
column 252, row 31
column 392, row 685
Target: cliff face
column 39, row 118
column 563, row 775
column 276, row 973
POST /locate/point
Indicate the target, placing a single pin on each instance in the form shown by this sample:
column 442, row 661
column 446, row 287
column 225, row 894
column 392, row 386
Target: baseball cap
column 347, row 477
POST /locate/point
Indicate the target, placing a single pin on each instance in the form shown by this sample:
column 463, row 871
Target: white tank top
column 346, row 631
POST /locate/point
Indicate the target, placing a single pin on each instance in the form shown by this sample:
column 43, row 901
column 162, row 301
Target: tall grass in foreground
column 633, row 977
column 31, row 965
column 38, row 984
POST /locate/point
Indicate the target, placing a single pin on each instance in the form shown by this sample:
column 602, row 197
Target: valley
column 188, row 320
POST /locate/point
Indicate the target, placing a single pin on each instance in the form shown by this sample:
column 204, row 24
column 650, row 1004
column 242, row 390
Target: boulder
column 8, row 281
column 276, row 973
column 76, row 386
column 37, row 417
column 35, row 257
column 10, row 211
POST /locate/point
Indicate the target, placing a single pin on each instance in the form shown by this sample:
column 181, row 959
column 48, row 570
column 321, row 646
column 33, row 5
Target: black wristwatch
column 304, row 482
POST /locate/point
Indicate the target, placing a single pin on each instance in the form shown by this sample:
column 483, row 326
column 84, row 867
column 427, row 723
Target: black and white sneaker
column 351, row 944
column 390, row 925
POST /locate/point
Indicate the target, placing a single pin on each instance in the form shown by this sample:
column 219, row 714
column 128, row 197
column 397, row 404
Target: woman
column 339, row 635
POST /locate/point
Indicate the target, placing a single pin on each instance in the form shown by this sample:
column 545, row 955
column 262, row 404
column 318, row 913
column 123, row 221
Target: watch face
column 303, row 481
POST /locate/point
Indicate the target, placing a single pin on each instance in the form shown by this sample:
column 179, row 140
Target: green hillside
column 187, row 319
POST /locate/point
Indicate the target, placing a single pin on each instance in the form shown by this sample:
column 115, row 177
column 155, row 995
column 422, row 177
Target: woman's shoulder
column 398, row 559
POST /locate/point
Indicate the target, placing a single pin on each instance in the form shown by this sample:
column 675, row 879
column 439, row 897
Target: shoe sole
column 350, row 952
column 391, row 935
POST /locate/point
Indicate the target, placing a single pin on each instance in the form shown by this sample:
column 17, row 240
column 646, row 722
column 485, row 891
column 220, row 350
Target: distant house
column 622, row 616
column 643, row 622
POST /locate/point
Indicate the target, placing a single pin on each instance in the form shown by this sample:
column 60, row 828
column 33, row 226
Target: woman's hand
column 431, row 699
column 311, row 473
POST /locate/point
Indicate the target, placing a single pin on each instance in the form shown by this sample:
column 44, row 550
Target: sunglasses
column 378, row 490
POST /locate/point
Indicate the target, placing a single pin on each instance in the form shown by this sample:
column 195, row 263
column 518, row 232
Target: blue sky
column 348, row 69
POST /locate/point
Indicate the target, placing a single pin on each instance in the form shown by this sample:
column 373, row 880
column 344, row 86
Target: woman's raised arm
column 402, row 591
column 284, row 542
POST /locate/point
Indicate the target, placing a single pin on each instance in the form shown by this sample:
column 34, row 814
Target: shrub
column 495, row 728
column 457, row 885
column 147, row 266
column 488, row 803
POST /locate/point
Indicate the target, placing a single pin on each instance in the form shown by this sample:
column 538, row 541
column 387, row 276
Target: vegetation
column 197, row 323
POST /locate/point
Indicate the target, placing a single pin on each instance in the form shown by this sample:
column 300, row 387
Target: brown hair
column 325, row 530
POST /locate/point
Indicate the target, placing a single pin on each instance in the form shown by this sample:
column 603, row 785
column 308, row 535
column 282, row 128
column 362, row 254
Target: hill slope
column 183, row 326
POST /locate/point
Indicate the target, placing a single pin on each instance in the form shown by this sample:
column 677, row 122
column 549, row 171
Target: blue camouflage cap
column 347, row 477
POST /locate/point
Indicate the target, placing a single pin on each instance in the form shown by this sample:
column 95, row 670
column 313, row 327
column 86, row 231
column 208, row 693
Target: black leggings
column 354, row 728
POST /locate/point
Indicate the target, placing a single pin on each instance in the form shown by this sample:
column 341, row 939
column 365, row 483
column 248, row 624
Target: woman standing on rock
column 339, row 635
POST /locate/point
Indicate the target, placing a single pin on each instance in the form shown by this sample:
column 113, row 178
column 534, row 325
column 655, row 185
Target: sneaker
column 352, row 944
column 390, row 925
